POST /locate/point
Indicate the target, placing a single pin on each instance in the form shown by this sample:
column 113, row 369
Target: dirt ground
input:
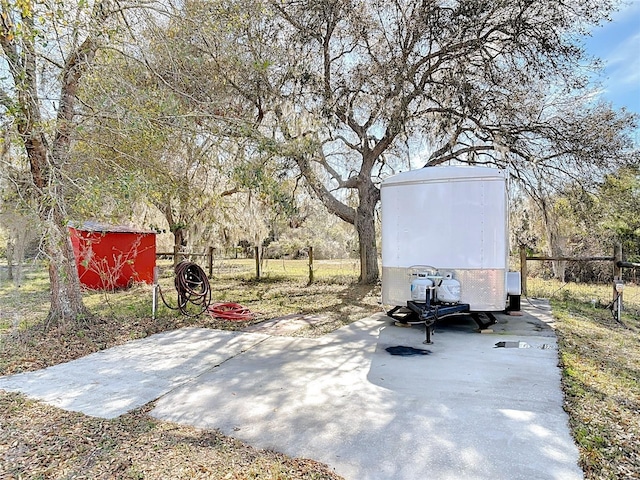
column 38, row 441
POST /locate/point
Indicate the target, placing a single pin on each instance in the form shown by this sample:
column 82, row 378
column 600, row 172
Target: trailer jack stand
column 430, row 327
column 426, row 313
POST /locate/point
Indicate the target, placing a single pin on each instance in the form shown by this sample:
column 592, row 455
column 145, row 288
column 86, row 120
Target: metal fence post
column 154, row 298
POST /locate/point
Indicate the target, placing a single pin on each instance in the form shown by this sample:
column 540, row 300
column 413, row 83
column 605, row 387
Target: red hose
column 230, row 311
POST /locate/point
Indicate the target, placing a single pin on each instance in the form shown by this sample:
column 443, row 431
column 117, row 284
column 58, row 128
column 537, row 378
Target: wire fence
column 262, row 263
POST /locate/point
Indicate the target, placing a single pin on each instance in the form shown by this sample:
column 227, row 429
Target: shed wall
column 108, row 260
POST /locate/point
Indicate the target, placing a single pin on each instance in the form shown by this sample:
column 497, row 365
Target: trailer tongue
column 425, row 313
column 428, row 314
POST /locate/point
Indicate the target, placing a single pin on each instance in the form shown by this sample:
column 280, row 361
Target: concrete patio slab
column 469, row 409
column 112, row 382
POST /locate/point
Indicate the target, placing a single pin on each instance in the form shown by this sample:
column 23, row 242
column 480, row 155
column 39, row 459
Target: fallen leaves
column 40, row 441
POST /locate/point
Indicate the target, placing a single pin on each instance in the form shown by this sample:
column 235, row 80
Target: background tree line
column 232, row 120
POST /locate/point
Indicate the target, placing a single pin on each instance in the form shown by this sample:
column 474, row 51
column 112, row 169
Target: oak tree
column 348, row 89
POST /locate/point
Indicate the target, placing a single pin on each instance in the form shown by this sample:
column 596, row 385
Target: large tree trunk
column 179, row 241
column 557, row 249
column 18, row 43
column 556, row 242
column 66, row 295
column 366, row 227
column 176, row 227
column 362, row 217
column 9, row 255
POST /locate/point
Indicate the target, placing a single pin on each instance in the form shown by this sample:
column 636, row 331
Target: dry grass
column 600, row 360
column 39, row 441
column 601, row 375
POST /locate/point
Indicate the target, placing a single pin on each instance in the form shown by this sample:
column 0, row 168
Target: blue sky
column 617, row 44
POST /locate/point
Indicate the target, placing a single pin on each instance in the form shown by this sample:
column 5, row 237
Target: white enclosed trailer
column 453, row 219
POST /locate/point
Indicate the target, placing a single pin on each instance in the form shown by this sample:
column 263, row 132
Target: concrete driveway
column 468, row 409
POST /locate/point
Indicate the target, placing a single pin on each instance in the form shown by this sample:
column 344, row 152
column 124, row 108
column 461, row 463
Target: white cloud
column 623, row 64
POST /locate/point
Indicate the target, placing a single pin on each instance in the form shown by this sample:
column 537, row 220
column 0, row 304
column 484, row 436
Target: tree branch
column 332, row 204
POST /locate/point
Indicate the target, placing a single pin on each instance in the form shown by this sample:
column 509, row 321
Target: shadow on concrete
column 111, row 382
column 466, row 410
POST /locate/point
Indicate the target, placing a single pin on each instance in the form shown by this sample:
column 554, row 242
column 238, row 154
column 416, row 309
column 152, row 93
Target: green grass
column 323, row 270
column 596, row 295
column 232, row 281
column 333, row 299
column 39, row 441
column 21, row 304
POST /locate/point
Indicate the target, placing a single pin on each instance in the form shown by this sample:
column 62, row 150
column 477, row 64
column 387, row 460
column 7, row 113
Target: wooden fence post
column 176, row 254
column 523, row 269
column 210, row 260
column 310, row 265
column 256, row 250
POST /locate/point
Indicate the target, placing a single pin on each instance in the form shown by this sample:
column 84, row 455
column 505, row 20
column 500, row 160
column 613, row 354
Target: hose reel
column 194, row 290
column 194, row 296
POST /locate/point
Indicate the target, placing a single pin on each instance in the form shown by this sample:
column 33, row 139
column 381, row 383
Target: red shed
column 111, row 257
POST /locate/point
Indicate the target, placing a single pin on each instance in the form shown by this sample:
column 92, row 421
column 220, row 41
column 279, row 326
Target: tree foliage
column 584, row 223
column 345, row 90
column 153, row 133
column 217, row 111
column 47, row 50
